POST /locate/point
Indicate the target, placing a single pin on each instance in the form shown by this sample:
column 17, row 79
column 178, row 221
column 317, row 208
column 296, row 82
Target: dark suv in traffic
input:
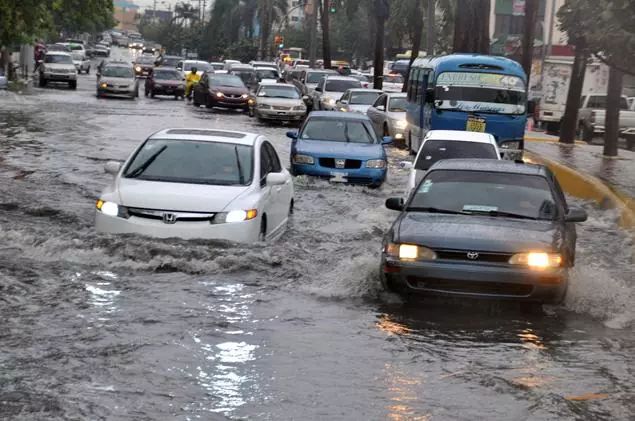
column 221, row 90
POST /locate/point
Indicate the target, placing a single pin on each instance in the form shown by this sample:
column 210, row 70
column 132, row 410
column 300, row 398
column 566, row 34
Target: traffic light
column 333, row 6
column 280, row 42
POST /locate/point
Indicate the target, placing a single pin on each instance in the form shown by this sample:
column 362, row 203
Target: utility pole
column 432, row 34
column 311, row 7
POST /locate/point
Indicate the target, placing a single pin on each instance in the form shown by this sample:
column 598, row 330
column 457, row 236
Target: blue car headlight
column 376, row 163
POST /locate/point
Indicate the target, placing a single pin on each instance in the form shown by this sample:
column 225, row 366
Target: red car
column 165, row 81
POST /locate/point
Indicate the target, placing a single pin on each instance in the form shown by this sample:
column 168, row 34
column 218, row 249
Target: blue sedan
column 341, row 147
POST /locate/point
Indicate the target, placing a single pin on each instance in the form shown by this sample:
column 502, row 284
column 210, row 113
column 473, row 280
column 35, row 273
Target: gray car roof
column 490, row 165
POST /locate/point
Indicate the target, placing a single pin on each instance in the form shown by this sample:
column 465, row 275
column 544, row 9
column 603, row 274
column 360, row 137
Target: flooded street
column 98, row 327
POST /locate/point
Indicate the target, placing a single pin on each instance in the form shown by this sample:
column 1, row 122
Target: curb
column 588, row 187
column 544, row 139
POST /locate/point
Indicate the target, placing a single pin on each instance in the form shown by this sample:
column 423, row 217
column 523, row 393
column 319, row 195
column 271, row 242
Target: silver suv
column 58, row 66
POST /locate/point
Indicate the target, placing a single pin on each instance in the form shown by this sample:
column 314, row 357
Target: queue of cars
column 470, row 223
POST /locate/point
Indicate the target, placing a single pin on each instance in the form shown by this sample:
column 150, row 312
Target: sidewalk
column 585, row 173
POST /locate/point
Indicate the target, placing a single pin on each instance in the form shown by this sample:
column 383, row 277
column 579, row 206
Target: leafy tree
column 471, row 27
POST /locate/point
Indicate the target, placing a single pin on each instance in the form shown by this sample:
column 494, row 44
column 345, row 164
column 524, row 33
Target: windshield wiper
column 438, row 210
column 505, row 214
column 241, row 177
column 141, row 168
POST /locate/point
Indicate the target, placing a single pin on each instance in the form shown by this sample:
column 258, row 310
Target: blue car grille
column 349, row 164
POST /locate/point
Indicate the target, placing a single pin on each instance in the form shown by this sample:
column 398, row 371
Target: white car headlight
column 235, row 216
column 409, row 252
column 376, row 163
column 303, row 159
column 329, row 101
column 108, row 208
column 537, row 260
column 263, row 106
column 401, row 124
column 299, row 108
column 244, row 96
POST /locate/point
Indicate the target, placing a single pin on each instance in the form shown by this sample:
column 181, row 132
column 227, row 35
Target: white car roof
column 264, row 68
column 377, row 91
column 207, row 135
column 59, row 53
column 195, row 61
column 460, row 136
column 342, row 78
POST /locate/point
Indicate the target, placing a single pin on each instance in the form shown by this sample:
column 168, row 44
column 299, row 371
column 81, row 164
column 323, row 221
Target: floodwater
column 98, row 327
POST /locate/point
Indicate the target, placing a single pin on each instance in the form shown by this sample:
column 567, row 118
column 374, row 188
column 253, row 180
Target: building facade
column 125, row 14
column 295, row 17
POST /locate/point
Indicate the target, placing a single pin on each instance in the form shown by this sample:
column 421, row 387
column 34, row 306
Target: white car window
column 434, row 150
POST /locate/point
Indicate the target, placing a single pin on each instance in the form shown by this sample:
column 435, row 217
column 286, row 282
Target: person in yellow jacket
column 190, row 80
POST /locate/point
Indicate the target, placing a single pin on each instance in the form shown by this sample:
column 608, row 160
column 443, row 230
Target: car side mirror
column 318, row 89
column 387, row 140
column 305, row 97
column 406, row 165
column 395, row 203
column 343, row 101
column 576, row 215
column 276, row 179
column 381, row 108
column 112, row 167
column 292, row 135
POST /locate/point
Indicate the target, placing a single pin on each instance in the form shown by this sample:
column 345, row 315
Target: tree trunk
column 531, row 15
column 378, row 62
column 326, row 39
column 612, row 116
column 570, row 119
column 471, row 27
column 416, row 43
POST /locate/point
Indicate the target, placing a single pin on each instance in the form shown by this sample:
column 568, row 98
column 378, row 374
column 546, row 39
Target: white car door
column 376, row 114
column 275, row 200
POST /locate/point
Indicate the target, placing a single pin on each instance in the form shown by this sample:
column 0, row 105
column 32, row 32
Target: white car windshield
column 117, row 71
column 339, row 85
column 485, row 193
column 364, row 98
column 434, row 150
column 267, row 74
column 192, row 162
column 397, row 105
column 278, row 91
column 337, row 130
column 58, row 59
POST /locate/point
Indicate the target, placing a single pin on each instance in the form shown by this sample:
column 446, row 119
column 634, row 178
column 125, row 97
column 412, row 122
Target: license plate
column 339, row 177
column 475, row 125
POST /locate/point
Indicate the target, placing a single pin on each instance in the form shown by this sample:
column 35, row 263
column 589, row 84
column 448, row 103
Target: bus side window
column 422, row 85
column 429, row 95
column 412, row 84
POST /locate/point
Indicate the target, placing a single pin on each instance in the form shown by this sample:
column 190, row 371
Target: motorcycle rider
column 191, row 79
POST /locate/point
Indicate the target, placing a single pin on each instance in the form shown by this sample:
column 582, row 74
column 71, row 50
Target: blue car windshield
column 485, row 193
column 334, row 130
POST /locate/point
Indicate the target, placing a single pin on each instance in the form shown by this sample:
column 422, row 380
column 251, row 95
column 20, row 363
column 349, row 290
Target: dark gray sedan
column 483, row 229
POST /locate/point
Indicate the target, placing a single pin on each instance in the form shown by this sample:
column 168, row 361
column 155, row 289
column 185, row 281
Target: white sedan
column 448, row 144
column 199, row 183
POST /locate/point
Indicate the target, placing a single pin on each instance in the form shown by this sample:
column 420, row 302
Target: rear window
column 364, row 98
column 436, row 150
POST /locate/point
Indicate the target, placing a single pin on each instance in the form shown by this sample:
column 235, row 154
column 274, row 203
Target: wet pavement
column 98, row 327
column 618, row 172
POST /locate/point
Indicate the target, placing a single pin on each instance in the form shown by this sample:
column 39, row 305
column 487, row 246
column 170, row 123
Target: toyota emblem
column 340, row 163
column 472, row 255
column 169, row 218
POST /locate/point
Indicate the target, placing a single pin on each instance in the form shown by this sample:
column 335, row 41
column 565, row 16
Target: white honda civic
column 199, row 183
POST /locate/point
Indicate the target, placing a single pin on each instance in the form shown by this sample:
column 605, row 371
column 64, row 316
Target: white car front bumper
column 241, row 232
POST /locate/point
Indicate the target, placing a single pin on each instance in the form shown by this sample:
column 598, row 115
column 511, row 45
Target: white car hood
column 392, row 87
column 269, row 81
column 176, row 196
column 358, row 108
column 59, row 66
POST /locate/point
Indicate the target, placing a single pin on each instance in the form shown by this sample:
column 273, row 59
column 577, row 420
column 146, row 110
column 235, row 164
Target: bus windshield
column 480, row 92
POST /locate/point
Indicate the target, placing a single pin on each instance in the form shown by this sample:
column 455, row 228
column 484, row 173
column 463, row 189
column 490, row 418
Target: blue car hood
column 350, row 150
column 478, row 233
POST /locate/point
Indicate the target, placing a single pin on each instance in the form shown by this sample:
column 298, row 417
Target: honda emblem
column 169, row 218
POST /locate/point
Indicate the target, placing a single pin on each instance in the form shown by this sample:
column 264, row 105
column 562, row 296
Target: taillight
column 593, row 117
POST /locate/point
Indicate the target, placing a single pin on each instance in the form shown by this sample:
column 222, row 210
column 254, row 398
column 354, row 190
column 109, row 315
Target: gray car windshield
column 227, row 80
column 315, row 77
column 58, row 59
column 201, row 66
column 397, row 105
column 485, row 193
column 342, row 85
column 435, row 150
column 276, row 91
column 335, row 130
column 167, row 75
column 116, row 71
column 186, row 161
column 364, row 98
